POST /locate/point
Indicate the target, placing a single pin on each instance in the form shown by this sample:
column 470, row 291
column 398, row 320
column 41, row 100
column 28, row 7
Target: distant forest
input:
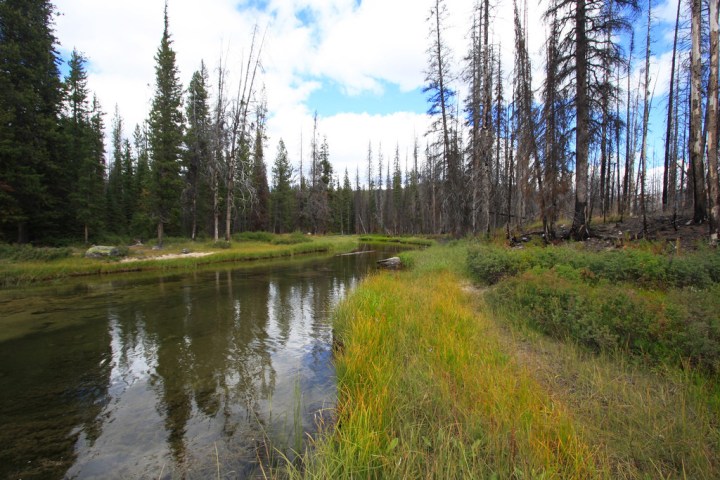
column 574, row 149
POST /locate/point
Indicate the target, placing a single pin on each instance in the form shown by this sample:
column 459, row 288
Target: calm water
column 168, row 377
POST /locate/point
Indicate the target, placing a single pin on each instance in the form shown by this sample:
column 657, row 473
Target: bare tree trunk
column 582, row 139
column 625, row 203
column 696, row 147
column 670, row 122
column 160, row 232
column 646, row 116
column 712, row 124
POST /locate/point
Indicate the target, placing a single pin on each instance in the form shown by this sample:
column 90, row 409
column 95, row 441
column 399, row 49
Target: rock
column 185, row 251
column 393, row 263
column 100, row 251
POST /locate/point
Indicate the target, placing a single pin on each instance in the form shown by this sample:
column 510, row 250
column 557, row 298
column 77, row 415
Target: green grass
column 427, row 391
column 383, row 239
column 17, row 273
column 440, row 380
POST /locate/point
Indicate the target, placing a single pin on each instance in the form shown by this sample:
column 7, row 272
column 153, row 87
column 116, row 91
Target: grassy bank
column 426, row 390
column 31, row 267
column 384, row 239
column 438, row 379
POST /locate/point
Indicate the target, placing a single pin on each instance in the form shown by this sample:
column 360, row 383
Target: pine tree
column 114, row 193
column 282, row 198
column 197, row 143
column 141, row 225
column 166, row 136
column 260, row 214
column 85, row 149
column 30, row 97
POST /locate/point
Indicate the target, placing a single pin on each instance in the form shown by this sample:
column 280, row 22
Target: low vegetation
column 381, row 239
column 661, row 308
column 25, row 268
column 563, row 364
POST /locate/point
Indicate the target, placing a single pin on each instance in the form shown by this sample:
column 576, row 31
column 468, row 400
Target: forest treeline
column 508, row 154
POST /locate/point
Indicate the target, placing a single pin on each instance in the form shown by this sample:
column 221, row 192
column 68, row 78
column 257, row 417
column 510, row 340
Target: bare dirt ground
column 168, row 256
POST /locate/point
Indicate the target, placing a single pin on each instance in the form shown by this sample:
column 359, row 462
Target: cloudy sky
column 358, row 63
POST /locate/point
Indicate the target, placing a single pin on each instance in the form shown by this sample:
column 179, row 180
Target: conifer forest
column 501, row 152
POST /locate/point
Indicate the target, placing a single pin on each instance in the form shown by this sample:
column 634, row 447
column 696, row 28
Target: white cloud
column 359, row 46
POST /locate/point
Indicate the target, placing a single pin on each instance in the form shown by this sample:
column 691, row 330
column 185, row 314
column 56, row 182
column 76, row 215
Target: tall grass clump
column 426, row 391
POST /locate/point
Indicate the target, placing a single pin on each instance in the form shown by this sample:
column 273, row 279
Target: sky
column 360, row 64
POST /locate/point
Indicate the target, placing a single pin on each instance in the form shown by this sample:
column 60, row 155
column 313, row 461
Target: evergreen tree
column 346, row 204
column 197, row 143
column 30, row 97
column 141, row 224
column 282, row 198
column 166, row 136
column 260, row 215
column 85, row 149
column 114, row 192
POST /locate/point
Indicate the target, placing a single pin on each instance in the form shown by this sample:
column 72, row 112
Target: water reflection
column 160, row 377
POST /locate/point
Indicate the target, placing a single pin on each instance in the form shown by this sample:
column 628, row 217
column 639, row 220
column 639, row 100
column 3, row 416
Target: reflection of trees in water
column 53, row 389
column 212, row 352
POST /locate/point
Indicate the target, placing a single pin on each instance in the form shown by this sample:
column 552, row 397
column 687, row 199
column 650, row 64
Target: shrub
column 27, row 253
column 291, row 239
column 265, row 237
column 672, row 326
column 490, row 265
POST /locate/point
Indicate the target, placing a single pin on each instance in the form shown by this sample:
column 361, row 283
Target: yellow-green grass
column 22, row 273
column 400, row 240
column 427, row 391
column 646, row 423
column 434, row 382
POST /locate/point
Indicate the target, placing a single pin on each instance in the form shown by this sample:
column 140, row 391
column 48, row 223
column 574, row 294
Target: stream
column 170, row 376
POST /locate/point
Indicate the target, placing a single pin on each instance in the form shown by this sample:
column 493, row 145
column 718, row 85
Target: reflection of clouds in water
column 214, row 359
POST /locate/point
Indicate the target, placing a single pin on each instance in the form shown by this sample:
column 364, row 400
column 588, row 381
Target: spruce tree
column 30, row 97
column 197, row 143
column 166, row 136
column 85, row 150
column 114, row 192
column 260, row 214
column 281, row 197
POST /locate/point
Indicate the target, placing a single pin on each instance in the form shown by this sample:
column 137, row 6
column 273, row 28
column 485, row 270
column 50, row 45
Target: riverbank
column 18, row 272
column 438, row 376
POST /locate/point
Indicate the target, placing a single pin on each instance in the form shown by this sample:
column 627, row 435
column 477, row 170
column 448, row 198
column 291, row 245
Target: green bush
column 221, row 244
column 28, row 253
column 490, row 264
column 265, row 237
column 657, row 326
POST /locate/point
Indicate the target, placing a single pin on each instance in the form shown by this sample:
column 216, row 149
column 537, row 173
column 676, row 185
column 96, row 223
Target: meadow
column 481, row 361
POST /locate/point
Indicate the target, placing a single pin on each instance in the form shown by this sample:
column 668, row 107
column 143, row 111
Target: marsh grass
column 17, row 273
column 438, row 379
column 399, row 240
column 427, row 391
